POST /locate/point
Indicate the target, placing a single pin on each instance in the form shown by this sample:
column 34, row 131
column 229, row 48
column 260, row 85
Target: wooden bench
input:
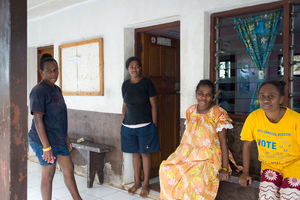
column 235, row 179
column 94, row 154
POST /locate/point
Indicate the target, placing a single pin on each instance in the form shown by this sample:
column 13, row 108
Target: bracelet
column 225, row 169
column 47, row 149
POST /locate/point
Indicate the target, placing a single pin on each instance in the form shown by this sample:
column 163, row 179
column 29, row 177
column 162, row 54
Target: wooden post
column 13, row 99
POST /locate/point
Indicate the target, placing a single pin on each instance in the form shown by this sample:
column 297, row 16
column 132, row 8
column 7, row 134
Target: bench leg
column 95, row 166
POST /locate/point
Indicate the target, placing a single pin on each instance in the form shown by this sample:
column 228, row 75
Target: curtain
column 258, row 34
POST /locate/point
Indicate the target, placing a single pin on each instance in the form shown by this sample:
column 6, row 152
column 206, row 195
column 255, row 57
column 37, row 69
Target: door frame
column 137, row 35
column 138, row 53
column 131, row 40
column 39, row 52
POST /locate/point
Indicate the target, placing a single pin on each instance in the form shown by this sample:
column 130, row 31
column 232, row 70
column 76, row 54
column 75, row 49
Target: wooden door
column 160, row 63
column 40, row 52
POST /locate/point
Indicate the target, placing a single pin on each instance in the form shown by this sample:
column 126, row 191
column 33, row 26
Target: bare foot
column 145, row 190
column 134, row 188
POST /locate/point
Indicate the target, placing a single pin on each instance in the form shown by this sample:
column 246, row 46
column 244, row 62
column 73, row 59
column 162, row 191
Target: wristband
column 225, row 169
column 47, row 149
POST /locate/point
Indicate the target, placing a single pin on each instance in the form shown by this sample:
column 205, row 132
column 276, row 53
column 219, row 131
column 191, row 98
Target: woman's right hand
column 244, row 178
column 48, row 156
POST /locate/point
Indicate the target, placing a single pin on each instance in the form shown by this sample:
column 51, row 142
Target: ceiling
column 39, row 8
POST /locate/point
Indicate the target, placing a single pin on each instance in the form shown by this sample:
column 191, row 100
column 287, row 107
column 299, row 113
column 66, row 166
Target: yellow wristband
column 225, row 169
column 47, row 149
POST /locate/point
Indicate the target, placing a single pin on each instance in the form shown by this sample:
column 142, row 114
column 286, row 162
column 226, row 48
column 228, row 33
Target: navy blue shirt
column 49, row 101
column 136, row 96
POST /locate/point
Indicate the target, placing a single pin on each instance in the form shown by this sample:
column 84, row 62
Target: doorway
column 40, row 52
column 159, row 49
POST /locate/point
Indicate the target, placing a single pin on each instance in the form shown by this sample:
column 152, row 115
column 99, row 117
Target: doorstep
column 153, row 194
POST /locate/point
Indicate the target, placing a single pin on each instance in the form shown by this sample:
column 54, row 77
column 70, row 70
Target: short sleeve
column 223, row 121
column 188, row 113
column 151, row 89
column 37, row 100
column 187, row 117
column 123, row 89
column 298, row 133
column 248, row 127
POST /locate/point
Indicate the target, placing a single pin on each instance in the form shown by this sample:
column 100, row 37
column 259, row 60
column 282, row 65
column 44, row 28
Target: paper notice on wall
column 164, row 41
column 74, row 60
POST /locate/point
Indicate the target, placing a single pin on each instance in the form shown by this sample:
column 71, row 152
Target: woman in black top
column 139, row 134
column 48, row 136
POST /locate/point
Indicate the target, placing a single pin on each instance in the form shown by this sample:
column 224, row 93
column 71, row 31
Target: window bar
column 217, row 67
column 217, row 57
column 238, row 51
column 292, row 57
column 236, row 37
column 218, row 24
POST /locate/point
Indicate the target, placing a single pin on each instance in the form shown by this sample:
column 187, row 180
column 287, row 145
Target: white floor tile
column 82, row 186
column 32, row 182
column 35, row 197
column 83, row 196
column 32, row 192
column 142, row 198
column 120, row 195
column 60, row 191
column 99, row 191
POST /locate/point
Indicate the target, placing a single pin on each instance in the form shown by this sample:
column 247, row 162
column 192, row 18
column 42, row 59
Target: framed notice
column 81, row 68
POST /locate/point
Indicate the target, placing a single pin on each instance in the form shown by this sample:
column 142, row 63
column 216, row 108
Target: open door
column 40, row 52
column 161, row 64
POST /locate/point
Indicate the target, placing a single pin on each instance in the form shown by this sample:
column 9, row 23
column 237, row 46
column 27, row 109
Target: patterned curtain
column 258, row 35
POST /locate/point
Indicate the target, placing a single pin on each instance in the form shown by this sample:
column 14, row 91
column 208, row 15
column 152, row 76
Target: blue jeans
column 38, row 150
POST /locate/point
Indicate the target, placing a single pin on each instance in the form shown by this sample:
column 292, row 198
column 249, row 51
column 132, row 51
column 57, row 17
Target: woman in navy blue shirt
column 139, row 134
column 48, row 136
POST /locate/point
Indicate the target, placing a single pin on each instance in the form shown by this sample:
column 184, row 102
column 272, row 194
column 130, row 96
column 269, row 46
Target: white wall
column 115, row 22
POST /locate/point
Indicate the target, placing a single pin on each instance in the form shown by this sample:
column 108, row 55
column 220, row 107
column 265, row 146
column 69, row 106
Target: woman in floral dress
column 201, row 160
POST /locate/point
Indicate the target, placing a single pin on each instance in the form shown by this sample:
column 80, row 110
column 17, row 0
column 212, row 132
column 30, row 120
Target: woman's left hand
column 69, row 143
column 223, row 175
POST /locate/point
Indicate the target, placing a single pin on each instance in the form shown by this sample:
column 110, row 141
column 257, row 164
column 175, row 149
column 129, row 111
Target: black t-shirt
column 136, row 96
column 49, row 101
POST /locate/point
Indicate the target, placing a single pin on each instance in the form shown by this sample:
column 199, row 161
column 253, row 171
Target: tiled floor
column 60, row 192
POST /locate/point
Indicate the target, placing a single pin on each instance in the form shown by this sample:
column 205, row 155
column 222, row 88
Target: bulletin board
column 81, row 68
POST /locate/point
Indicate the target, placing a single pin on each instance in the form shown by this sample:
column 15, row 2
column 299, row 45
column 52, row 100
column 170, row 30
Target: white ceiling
column 39, row 8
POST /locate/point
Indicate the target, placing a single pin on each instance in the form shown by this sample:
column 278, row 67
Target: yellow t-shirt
column 277, row 143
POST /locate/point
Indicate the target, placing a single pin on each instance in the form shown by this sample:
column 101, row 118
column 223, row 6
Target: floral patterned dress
column 191, row 171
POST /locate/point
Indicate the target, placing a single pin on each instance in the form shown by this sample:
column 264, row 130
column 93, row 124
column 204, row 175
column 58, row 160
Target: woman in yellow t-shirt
column 276, row 130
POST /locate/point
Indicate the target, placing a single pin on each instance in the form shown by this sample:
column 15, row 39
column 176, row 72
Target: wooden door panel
column 156, row 157
column 158, row 102
column 155, row 162
column 168, row 61
column 169, row 110
column 161, row 65
column 40, row 52
column 154, row 58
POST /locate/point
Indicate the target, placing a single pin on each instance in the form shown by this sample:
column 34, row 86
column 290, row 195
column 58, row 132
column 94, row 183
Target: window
column 248, row 47
column 224, row 69
column 295, row 59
